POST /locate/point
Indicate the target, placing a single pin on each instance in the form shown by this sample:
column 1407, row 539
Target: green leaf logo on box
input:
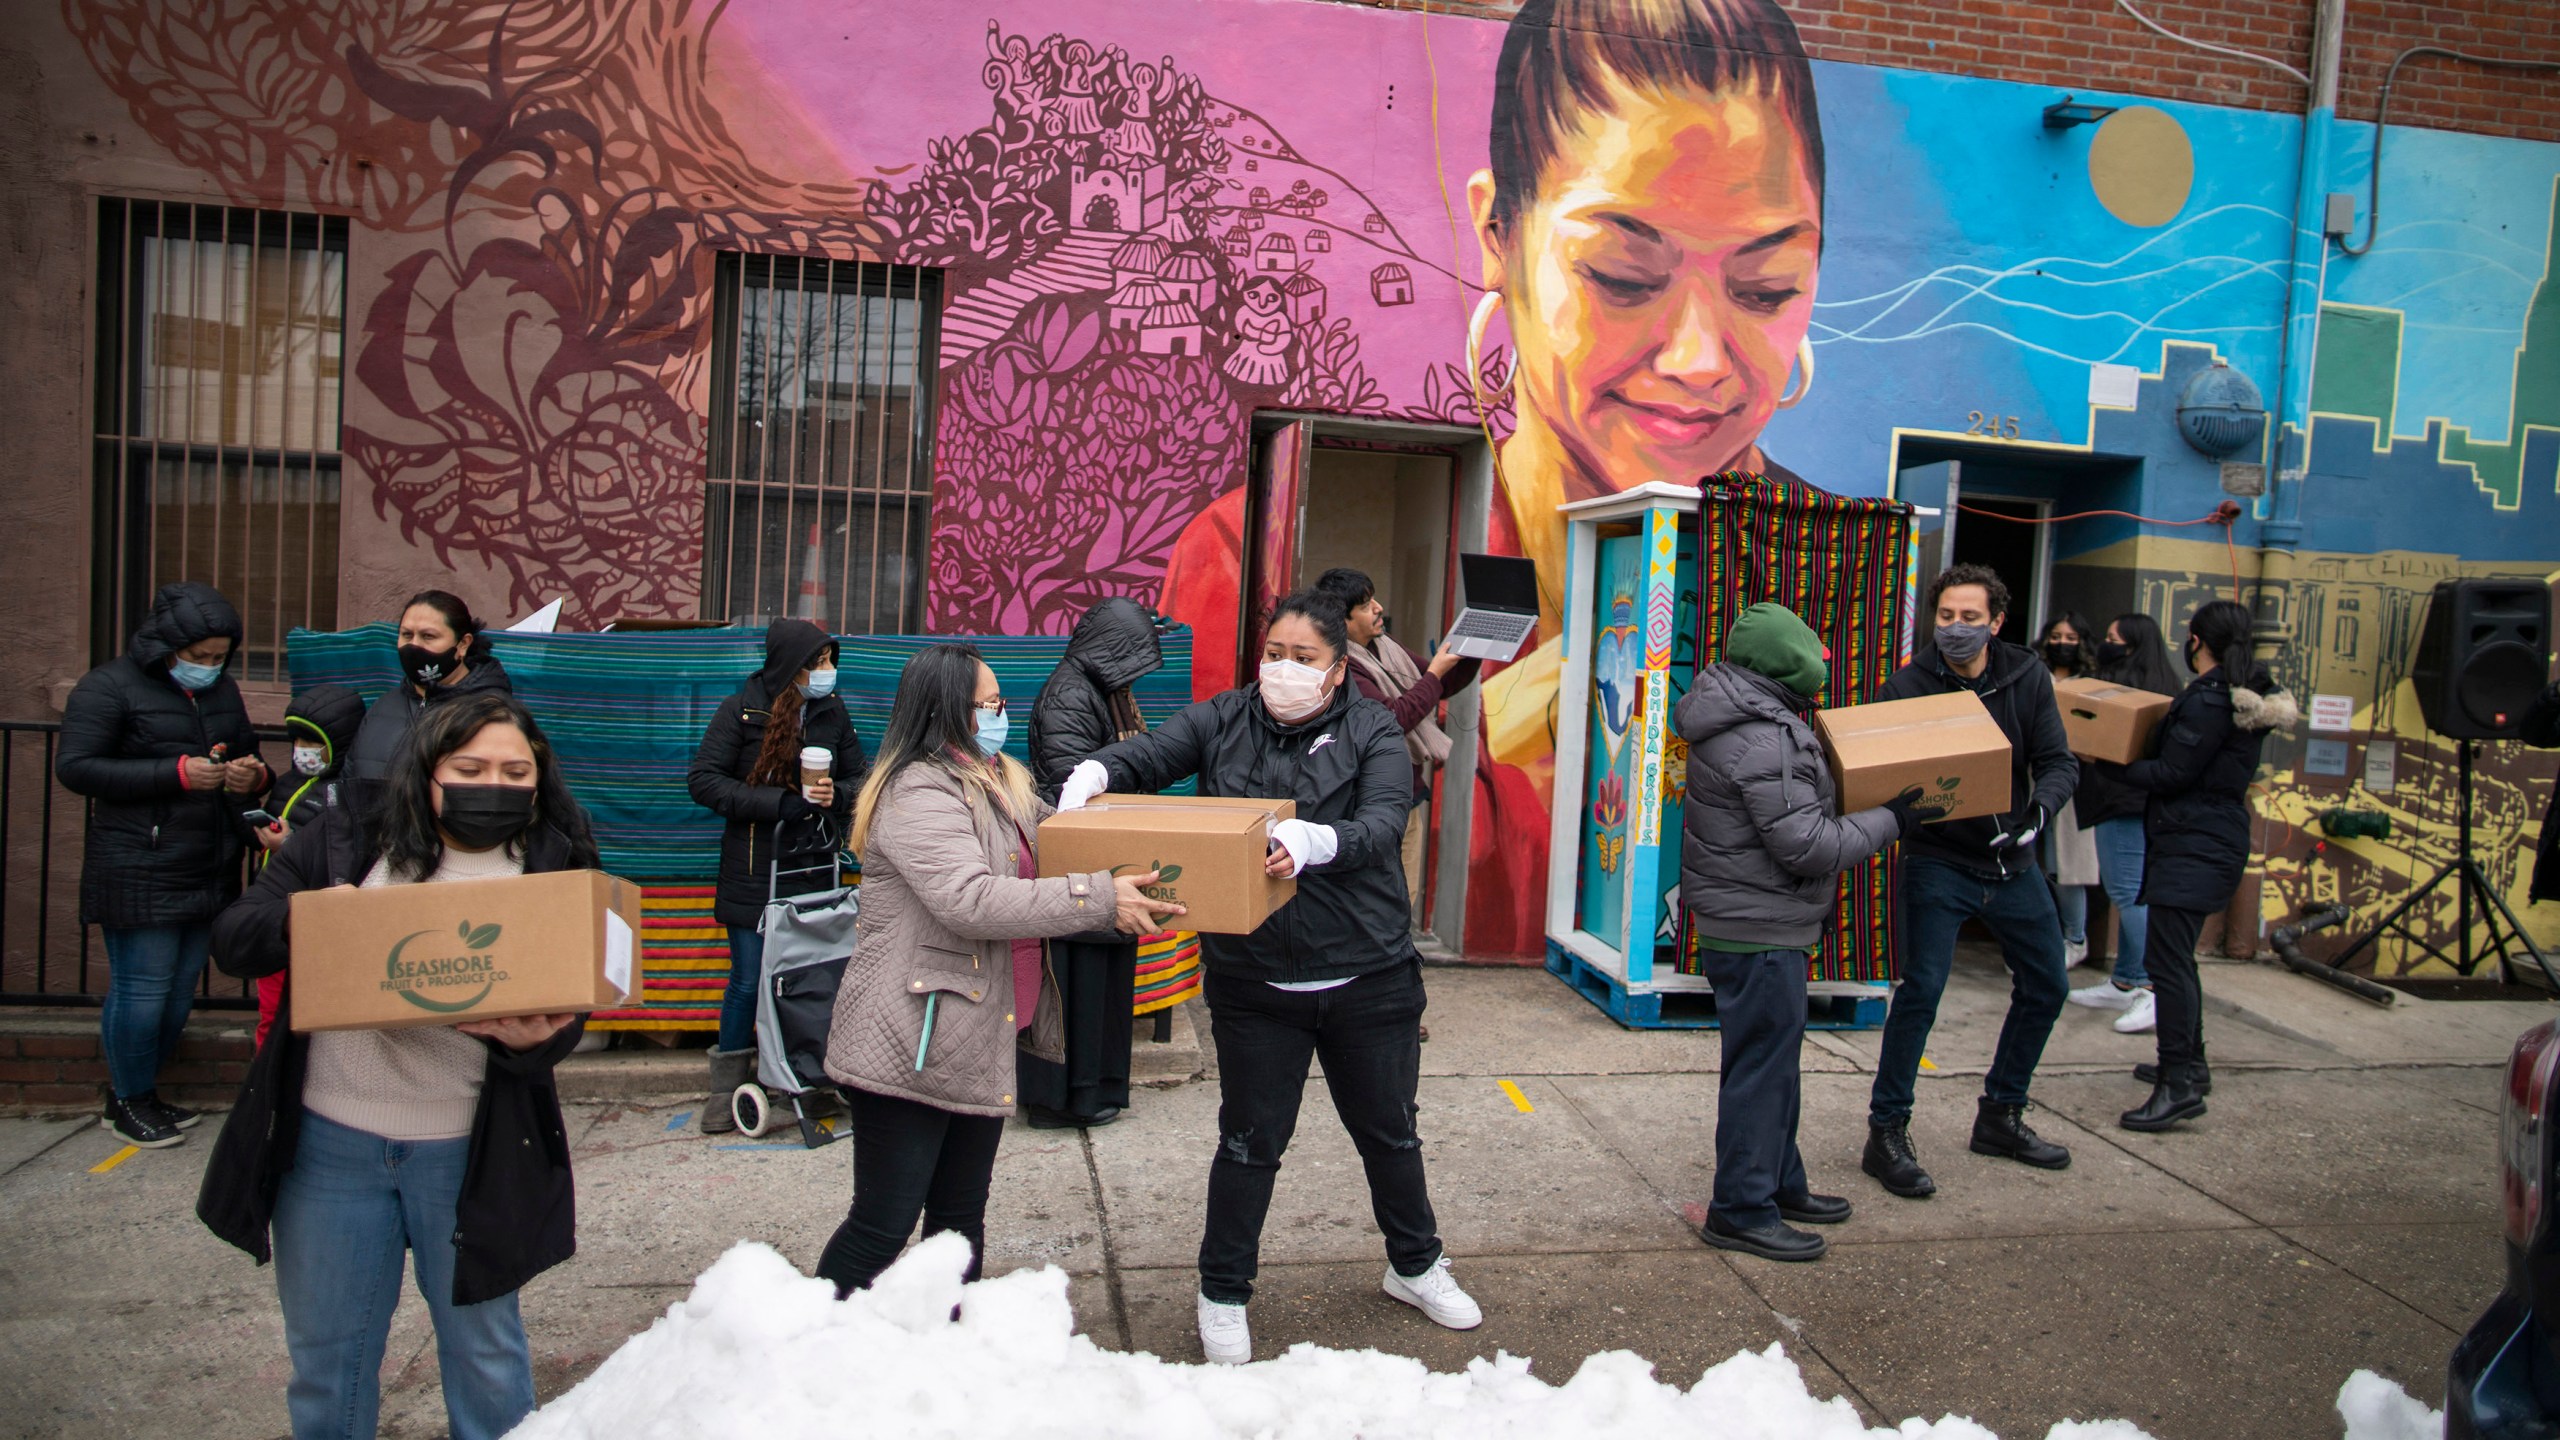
column 1165, row 876
column 420, row 979
column 1945, row 799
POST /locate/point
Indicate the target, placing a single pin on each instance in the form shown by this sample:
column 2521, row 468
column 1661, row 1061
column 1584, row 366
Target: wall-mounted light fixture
column 2066, row 112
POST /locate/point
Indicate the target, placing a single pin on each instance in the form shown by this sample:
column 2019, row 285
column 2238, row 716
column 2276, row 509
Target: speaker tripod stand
column 2471, row 887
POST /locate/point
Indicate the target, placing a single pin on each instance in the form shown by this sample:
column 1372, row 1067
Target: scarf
column 1391, row 667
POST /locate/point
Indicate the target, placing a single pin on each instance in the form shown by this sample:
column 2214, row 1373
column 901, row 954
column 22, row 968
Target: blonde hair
column 998, row 784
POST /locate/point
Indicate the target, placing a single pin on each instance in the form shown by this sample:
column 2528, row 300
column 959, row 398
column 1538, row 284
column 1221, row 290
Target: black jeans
column 1369, row 1034
column 1937, row 898
column 1760, row 1007
column 910, row 1159
column 1097, row 984
column 2175, row 987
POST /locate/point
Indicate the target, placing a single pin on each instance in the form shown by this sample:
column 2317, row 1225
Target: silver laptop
column 1501, row 612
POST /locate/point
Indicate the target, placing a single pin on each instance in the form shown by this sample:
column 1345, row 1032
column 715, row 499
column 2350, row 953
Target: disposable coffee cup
column 817, row 763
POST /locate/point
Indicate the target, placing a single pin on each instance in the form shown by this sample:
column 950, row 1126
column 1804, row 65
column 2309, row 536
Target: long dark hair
column 2224, row 627
column 402, row 828
column 935, row 722
column 2145, row 665
column 1324, row 610
column 778, row 757
column 2084, row 659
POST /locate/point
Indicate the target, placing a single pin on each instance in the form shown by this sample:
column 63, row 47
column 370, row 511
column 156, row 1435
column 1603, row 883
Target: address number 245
column 1991, row 427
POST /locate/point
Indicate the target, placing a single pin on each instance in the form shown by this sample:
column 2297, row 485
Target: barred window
column 220, row 336
column 821, row 433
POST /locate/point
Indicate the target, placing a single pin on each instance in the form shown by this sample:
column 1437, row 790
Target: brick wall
column 2092, row 45
column 51, row 1063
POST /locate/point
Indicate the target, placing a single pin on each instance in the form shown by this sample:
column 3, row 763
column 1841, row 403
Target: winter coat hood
column 182, row 614
column 329, row 714
column 1774, row 641
column 1116, row 643
column 790, row 646
column 1729, row 695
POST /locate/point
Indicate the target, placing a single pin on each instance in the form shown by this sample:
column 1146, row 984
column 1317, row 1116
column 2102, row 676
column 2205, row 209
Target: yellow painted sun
column 2142, row 165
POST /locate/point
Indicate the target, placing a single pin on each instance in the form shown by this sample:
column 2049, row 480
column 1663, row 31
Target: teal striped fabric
column 624, row 712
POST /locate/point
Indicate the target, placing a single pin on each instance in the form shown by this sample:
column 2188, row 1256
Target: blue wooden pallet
column 1693, row 1009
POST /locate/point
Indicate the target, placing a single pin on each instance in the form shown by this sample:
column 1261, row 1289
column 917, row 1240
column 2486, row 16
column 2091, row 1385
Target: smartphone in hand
column 260, row 819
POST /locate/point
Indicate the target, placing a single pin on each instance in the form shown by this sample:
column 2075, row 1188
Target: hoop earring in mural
column 1804, row 369
column 1483, row 317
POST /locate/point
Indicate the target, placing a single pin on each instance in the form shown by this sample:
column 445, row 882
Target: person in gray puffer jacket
column 1760, row 862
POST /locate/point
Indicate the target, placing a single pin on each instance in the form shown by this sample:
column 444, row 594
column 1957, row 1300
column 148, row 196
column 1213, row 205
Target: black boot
column 1773, row 1241
column 2002, row 1130
column 2177, row 1095
column 1894, row 1164
column 1812, row 1209
column 2150, row 1074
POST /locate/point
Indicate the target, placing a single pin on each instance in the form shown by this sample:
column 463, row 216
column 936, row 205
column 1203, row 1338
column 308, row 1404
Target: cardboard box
column 1210, row 851
column 1948, row 745
column 2107, row 721
column 405, row 955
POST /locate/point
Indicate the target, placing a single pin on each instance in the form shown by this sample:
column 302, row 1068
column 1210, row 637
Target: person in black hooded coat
column 160, row 739
column 779, row 840
column 1084, row 705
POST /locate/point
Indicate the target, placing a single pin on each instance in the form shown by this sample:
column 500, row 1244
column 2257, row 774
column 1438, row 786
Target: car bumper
column 2499, row 1384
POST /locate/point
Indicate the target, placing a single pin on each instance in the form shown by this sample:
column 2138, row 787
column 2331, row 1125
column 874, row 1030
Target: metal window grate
column 821, row 477
column 221, row 333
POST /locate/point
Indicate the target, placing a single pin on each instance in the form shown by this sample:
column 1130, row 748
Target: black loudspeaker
column 2483, row 656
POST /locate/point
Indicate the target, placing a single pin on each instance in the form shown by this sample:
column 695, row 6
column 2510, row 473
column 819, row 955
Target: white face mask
column 1291, row 691
column 310, row 759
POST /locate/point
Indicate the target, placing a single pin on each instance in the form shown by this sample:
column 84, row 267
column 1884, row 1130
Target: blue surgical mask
column 820, row 684
column 992, row 730
column 191, row 676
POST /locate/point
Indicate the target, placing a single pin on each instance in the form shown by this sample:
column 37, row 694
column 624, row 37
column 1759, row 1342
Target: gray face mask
column 1960, row 643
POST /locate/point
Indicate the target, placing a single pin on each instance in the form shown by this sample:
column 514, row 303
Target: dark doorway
column 2001, row 534
column 1102, row 213
column 2038, row 516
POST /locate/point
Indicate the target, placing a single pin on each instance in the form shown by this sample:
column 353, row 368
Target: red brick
column 93, row 1072
column 188, row 1072
column 64, row 1046
column 57, row 1094
column 20, row 1072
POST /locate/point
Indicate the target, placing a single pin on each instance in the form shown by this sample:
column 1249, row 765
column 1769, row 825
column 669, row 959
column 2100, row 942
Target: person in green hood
column 1762, row 849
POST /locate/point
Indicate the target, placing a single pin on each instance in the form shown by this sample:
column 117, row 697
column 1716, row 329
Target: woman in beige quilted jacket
column 946, row 977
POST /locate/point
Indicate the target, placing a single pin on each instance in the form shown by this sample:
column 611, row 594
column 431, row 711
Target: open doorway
column 1397, row 503
column 2025, row 511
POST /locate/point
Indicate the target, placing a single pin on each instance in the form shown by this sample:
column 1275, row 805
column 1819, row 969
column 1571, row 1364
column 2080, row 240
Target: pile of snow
column 2376, row 1409
column 759, row 1350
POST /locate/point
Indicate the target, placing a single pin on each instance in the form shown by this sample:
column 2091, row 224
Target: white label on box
column 2118, row 387
column 617, row 952
column 2333, row 714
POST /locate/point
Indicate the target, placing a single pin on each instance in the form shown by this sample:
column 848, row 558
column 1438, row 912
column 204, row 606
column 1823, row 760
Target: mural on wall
column 1157, row 218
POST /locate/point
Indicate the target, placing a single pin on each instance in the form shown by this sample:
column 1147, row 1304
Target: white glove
column 1084, row 782
column 1307, row 844
column 2030, row 825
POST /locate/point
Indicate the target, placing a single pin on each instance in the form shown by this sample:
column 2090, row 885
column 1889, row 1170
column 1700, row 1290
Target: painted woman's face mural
column 1658, row 286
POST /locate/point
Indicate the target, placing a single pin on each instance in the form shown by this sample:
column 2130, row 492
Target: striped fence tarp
column 624, row 713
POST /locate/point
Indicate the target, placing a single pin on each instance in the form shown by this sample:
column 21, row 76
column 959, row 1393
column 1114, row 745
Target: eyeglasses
column 992, row 707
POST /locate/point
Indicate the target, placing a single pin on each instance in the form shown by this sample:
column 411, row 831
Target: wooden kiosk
column 1654, row 576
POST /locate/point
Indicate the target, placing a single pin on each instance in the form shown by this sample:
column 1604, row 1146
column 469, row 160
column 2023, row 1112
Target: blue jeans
column 152, row 972
column 344, row 1213
column 738, row 1002
column 2120, row 854
column 2071, row 902
column 1937, row 899
column 1760, row 1009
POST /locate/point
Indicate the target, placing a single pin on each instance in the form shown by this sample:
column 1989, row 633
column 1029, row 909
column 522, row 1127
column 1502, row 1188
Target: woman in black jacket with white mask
column 349, row 1151
column 782, row 836
column 160, row 739
column 2196, row 836
column 1331, row 974
column 443, row 656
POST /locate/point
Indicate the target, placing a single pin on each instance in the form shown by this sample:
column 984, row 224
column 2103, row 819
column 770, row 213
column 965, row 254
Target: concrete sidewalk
column 2336, row 1210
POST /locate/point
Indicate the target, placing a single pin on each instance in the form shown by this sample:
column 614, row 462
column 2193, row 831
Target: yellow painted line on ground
column 112, row 1161
column 1517, row 1098
column 1928, row 1064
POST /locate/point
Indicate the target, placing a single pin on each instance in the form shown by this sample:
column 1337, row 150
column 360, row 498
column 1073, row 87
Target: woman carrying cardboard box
column 1331, row 973
column 2130, row 655
column 350, row 1147
column 946, row 979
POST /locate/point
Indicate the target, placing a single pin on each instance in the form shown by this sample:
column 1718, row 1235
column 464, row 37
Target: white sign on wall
column 2332, row 714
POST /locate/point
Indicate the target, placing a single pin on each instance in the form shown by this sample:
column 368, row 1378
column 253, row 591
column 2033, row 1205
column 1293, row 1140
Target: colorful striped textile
column 625, row 711
column 684, row 964
column 1837, row 562
column 1168, row 971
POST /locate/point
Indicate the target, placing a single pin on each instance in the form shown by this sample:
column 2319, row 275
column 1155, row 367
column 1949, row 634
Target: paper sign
column 2115, row 386
column 2325, row 757
column 2381, row 766
column 617, row 952
column 2332, row 714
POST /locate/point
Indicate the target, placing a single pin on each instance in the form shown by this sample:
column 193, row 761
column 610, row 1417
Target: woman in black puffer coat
column 160, row 739
column 779, row 840
column 2196, row 836
column 1084, row 706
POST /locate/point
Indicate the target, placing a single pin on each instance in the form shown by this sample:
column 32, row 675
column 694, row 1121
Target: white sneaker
column 2140, row 1018
column 2105, row 995
column 1226, row 1336
column 1435, row 1293
column 2074, row 952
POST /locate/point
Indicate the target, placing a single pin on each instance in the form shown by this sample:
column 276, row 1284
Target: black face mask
column 484, row 817
column 424, row 666
column 2057, row 654
column 2111, row 653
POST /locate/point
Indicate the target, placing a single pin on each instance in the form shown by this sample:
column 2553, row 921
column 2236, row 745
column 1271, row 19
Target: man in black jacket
column 1979, row 868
